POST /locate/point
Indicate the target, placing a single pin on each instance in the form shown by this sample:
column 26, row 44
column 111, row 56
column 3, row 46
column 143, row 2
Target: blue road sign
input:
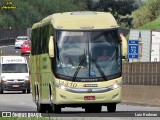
column 133, row 49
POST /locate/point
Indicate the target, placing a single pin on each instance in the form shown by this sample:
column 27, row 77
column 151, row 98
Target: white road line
column 5, row 46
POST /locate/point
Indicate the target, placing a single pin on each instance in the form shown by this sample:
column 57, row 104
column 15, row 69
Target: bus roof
column 79, row 20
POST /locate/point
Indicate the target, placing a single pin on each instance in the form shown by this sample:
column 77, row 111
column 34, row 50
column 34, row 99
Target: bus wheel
column 41, row 108
column 111, row 107
column 49, row 108
column 56, row 108
column 95, row 109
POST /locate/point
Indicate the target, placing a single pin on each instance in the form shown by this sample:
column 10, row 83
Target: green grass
column 154, row 25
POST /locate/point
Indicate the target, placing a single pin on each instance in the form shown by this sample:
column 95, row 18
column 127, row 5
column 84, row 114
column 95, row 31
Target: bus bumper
column 66, row 97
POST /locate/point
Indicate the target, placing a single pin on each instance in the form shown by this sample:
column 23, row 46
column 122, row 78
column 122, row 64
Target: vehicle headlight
column 3, row 79
column 117, row 85
column 26, row 79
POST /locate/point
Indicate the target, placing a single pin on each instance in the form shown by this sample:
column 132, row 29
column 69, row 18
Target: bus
column 85, row 81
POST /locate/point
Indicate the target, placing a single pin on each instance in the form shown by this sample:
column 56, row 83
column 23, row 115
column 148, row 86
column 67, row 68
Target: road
column 9, row 50
column 17, row 101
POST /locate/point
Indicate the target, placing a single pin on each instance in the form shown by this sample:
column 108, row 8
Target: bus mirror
column 51, row 47
column 124, row 46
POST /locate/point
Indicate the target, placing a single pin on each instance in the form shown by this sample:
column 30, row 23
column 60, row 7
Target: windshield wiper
column 80, row 64
column 99, row 69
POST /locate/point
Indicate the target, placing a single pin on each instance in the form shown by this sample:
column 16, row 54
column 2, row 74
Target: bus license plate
column 89, row 97
column 15, row 85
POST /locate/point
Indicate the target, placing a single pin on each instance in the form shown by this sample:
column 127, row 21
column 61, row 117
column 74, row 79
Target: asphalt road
column 10, row 50
column 17, row 101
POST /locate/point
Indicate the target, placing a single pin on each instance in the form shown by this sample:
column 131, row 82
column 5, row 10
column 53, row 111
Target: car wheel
column 24, row 91
column 28, row 90
column 1, row 91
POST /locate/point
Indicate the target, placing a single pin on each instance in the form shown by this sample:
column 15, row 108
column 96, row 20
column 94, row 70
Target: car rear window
column 27, row 43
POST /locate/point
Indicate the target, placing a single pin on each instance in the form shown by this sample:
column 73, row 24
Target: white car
column 19, row 41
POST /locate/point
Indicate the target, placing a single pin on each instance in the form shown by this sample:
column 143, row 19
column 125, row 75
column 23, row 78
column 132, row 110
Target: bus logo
column 89, row 90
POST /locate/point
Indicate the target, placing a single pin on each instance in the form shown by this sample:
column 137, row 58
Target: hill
column 154, row 25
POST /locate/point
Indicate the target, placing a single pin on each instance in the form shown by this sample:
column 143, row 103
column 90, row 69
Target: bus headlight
column 117, row 85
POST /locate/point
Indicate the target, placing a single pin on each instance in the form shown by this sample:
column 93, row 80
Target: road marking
column 5, row 46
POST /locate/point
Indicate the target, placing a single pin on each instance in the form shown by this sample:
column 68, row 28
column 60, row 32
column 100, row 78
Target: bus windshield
column 88, row 54
column 14, row 68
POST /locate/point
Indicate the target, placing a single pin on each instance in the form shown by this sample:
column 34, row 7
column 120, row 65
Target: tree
column 119, row 9
column 30, row 11
column 148, row 12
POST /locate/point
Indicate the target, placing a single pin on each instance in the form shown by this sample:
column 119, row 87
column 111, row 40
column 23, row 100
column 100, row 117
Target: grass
column 154, row 25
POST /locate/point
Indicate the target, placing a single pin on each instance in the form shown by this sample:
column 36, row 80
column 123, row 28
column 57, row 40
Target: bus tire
column 49, row 108
column 111, row 107
column 95, row 109
column 56, row 108
column 41, row 108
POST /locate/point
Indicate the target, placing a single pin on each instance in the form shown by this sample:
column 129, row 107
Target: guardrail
column 7, row 42
column 7, row 36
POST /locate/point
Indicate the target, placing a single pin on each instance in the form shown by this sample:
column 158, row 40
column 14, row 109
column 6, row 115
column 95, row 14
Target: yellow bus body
column 47, row 90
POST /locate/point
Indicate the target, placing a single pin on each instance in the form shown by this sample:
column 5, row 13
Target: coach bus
column 68, row 67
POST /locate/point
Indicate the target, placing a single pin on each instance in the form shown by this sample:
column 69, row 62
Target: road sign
column 133, row 49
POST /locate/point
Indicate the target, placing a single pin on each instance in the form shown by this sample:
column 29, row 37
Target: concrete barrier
column 141, row 94
column 7, row 42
